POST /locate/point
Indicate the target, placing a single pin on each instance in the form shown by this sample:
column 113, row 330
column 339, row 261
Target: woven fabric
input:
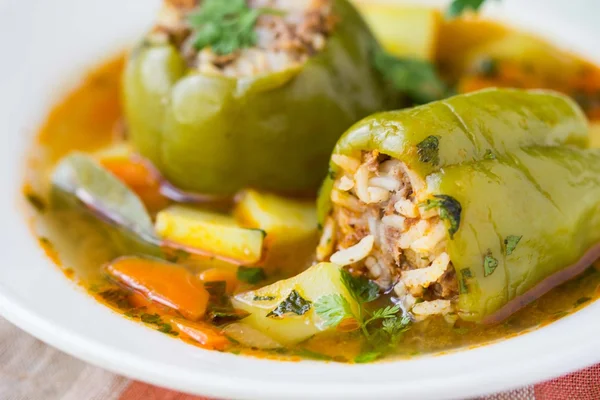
column 31, row 370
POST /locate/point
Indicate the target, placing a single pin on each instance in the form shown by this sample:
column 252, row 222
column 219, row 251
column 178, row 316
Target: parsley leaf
column 457, row 7
column 294, row 304
column 220, row 309
column 263, row 298
column 116, row 297
column 251, row 275
column 418, row 79
column 450, row 210
column 360, row 288
column 225, row 26
column 510, row 243
column 489, row 155
column 384, row 313
column 333, row 309
column 489, row 264
column 582, row 300
column 396, row 326
column 36, row 201
column 463, row 283
column 367, row 357
column 428, row 150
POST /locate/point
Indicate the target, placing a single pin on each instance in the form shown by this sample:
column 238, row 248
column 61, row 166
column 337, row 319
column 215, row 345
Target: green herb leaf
column 489, row 155
column 489, row 264
column 251, row 275
column 360, row 288
column 458, row 7
column 368, row 357
column 150, row 318
column 582, row 300
column 396, row 326
column 450, row 211
column 428, row 150
column 510, row 243
column 36, row 201
column 333, row 309
column 306, row 353
column 386, row 312
column 220, row 309
column 225, row 26
column 418, row 79
column 294, row 304
column 463, row 284
column 461, row 331
column 263, row 298
column 116, row 297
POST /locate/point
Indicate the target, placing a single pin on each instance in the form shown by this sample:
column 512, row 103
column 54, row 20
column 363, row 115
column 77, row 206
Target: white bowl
column 46, row 46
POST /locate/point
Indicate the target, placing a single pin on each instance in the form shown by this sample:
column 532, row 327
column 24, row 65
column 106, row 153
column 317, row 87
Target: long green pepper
column 526, row 188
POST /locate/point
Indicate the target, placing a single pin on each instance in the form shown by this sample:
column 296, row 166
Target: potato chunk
column 214, row 233
column 403, row 30
column 264, row 305
column 284, row 219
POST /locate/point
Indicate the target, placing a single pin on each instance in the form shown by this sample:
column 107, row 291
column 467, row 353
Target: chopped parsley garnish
column 360, row 288
column 306, row 353
column 368, row 357
column 331, row 173
column 333, row 309
column 461, row 331
column 150, row 318
column 220, row 310
column 582, row 300
column 462, row 283
column 177, row 255
column 428, row 150
column 380, row 327
column 293, row 304
column 458, row 7
column 157, row 321
column 36, row 201
column 251, row 275
column 225, row 26
column 117, row 298
column 263, row 298
column 510, row 243
column 489, row 155
column 489, row 264
column 418, row 79
column 450, row 211
column 488, row 67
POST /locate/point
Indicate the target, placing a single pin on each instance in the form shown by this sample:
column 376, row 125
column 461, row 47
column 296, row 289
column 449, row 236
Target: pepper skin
column 217, row 135
column 518, row 164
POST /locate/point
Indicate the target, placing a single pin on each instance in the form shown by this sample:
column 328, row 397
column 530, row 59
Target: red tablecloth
column 31, row 370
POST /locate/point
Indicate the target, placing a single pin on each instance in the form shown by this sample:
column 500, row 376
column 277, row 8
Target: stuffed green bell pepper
column 469, row 207
column 225, row 95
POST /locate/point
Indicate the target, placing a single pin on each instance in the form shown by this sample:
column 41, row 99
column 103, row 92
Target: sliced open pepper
column 275, row 131
column 514, row 183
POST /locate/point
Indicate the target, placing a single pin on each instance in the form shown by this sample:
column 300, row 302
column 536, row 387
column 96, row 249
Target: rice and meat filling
column 283, row 34
column 382, row 227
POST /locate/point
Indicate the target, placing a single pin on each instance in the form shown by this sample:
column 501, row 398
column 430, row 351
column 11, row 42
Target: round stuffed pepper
column 222, row 95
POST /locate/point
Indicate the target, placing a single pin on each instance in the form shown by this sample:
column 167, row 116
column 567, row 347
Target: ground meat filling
column 283, row 40
column 378, row 227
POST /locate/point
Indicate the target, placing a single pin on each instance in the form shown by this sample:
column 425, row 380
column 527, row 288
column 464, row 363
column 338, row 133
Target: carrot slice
column 165, row 283
column 139, row 177
column 205, row 335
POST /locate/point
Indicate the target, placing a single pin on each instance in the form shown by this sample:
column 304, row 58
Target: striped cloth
column 31, row 370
